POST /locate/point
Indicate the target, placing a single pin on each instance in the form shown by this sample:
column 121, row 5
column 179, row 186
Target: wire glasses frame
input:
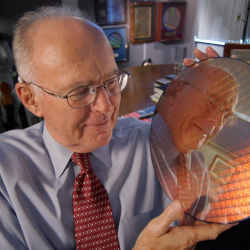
column 84, row 95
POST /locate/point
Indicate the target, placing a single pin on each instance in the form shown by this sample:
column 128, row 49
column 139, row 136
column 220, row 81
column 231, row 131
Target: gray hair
column 22, row 48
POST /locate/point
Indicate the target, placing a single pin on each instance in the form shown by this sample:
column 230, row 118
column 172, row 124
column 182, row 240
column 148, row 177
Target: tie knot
column 81, row 160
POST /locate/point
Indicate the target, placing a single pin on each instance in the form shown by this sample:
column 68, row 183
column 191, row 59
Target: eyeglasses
column 85, row 95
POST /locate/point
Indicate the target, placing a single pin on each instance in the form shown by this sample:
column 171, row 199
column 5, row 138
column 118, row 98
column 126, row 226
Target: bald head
column 47, row 33
column 54, row 35
column 57, row 41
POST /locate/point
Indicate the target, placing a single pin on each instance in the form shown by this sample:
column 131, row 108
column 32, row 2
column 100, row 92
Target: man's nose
column 102, row 101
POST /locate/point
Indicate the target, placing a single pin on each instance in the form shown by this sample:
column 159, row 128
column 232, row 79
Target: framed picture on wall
column 142, row 16
column 110, row 12
column 117, row 37
column 171, row 19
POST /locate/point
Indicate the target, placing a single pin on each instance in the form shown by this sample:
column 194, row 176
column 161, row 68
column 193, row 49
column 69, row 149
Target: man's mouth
column 99, row 124
column 205, row 132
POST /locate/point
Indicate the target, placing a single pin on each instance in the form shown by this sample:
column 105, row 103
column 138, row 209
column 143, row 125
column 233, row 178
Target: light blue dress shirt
column 36, row 185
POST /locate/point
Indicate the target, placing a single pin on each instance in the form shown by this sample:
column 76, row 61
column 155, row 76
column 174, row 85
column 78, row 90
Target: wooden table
column 140, row 86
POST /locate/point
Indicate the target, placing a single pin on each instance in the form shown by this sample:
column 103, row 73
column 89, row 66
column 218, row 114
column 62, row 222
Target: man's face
column 200, row 109
column 75, row 55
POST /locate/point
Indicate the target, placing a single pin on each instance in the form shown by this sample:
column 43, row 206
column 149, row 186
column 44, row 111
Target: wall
column 160, row 53
column 221, row 20
column 213, row 20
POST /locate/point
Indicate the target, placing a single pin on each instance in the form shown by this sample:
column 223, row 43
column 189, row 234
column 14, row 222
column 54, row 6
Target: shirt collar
column 60, row 155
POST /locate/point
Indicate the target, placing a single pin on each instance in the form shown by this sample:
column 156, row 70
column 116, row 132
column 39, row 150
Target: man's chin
column 101, row 139
column 91, row 143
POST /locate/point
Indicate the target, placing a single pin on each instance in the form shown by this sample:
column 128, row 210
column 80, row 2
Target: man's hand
column 159, row 234
column 210, row 53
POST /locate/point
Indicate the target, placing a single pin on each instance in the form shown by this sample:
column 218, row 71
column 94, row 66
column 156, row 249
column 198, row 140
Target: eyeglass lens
column 83, row 96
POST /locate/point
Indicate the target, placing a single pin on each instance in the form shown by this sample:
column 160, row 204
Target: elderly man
column 68, row 76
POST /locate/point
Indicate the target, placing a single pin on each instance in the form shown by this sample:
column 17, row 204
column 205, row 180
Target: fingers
column 151, row 236
column 160, row 225
column 200, row 55
column 159, row 235
column 203, row 232
column 188, row 236
column 210, row 53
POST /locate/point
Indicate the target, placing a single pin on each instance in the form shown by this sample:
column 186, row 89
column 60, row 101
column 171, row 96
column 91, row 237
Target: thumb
column 160, row 225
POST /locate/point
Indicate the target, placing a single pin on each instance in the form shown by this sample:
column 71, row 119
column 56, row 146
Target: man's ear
column 28, row 98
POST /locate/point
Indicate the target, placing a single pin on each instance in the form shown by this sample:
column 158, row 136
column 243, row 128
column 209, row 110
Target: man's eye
column 80, row 93
column 111, row 83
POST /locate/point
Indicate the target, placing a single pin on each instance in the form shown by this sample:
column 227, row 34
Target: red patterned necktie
column 93, row 219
